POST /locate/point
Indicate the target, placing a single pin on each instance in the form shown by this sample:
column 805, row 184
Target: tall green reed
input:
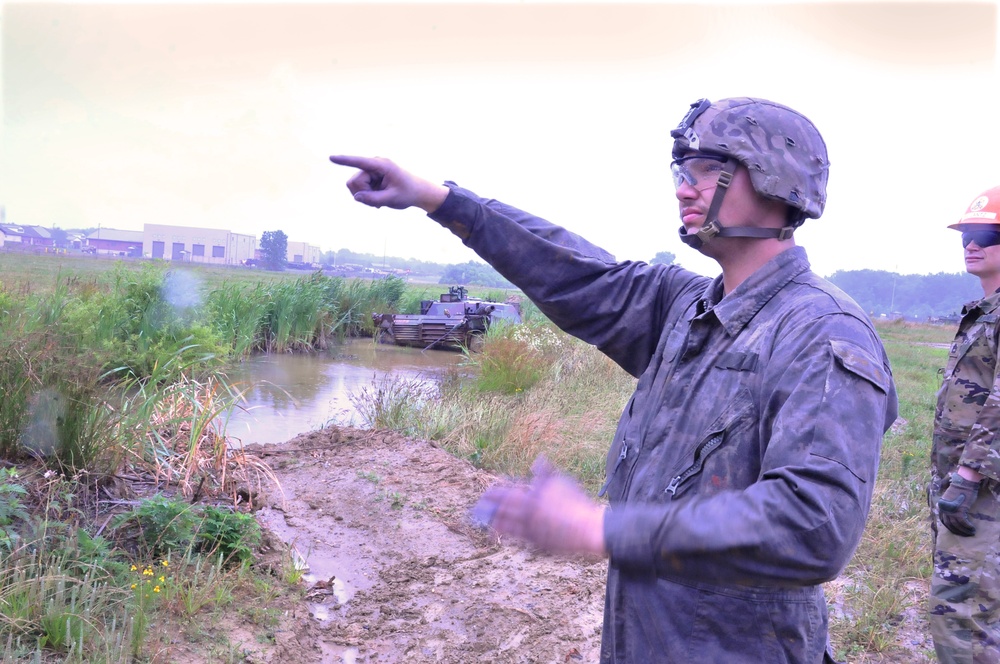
column 295, row 316
column 239, row 312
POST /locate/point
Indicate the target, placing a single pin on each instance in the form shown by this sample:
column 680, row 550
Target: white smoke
column 46, row 412
column 181, row 290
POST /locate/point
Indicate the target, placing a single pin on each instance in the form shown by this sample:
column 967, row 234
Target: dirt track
column 414, row 581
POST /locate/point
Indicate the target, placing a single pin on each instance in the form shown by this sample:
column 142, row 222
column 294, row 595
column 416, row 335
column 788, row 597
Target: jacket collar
column 988, row 304
column 737, row 309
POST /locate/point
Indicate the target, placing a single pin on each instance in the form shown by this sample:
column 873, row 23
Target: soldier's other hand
column 381, row 183
column 551, row 512
column 954, row 504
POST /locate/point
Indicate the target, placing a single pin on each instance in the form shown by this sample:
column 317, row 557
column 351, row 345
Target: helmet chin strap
column 714, row 228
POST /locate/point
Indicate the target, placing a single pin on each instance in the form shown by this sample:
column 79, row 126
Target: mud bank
column 398, row 573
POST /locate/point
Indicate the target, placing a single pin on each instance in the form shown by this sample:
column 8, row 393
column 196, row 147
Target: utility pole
column 892, row 297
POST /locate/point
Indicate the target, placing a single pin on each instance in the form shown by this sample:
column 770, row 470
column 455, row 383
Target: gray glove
column 954, row 504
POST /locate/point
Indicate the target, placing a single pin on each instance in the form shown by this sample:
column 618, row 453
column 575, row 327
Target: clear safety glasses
column 982, row 239
column 701, row 171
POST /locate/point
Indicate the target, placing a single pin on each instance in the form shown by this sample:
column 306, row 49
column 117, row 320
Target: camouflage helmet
column 780, row 147
column 983, row 213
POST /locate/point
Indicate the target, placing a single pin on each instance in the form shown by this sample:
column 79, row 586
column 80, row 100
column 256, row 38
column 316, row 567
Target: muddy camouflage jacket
column 742, row 470
column 968, row 407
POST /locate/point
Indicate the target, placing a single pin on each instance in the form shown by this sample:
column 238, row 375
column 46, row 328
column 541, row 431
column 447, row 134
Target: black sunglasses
column 982, row 239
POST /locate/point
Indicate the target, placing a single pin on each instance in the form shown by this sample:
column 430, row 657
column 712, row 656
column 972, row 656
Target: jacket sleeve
column 617, row 306
column 982, row 448
column 822, row 421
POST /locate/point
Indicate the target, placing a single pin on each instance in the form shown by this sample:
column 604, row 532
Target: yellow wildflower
column 156, row 589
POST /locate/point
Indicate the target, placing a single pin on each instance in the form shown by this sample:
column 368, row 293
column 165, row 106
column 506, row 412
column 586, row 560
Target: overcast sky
column 223, row 115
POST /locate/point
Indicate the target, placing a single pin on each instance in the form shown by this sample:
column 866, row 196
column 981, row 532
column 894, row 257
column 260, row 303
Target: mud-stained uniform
column 965, row 587
column 742, row 470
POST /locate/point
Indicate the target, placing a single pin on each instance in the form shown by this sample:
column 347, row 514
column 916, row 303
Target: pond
column 289, row 394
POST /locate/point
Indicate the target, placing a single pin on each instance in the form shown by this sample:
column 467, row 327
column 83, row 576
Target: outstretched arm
column 380, row 182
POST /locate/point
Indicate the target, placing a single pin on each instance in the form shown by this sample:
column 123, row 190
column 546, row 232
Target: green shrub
column 392, row 402
column 515, row 357
column 167, row 525
column 233, row 536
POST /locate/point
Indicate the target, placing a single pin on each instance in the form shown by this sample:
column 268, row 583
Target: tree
column 59, row 237
column 663, row 258
column 916, row 296
column 274, row 249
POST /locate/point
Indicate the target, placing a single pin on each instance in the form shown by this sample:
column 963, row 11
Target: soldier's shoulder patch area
column 860, row 361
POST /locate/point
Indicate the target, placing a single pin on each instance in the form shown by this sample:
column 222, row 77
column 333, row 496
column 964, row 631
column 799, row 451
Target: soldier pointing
column 741, row 474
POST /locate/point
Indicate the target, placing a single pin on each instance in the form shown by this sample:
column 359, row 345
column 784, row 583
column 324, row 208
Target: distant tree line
column 914, row 296
column 348, row 257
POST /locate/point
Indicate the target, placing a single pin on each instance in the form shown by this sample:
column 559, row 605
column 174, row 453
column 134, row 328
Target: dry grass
column 188, row 447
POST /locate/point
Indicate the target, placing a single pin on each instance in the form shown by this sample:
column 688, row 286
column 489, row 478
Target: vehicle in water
column 454, row 322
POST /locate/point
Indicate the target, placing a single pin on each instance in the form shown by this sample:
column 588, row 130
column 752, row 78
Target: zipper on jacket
column 700, row 454
column 621, row 457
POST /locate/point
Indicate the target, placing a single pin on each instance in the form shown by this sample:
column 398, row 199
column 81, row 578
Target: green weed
column 11, row 509
column 163, row 526
column 392, row 402
column 370, row 476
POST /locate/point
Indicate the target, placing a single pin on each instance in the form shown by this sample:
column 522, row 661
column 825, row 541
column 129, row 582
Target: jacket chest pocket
column 979, row 340
column 727, row 455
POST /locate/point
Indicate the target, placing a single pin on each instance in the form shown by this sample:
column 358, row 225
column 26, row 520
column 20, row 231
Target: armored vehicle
column 454, row 322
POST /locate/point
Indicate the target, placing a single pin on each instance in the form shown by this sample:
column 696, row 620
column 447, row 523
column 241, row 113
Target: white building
column 197, row 245
column 302, row 252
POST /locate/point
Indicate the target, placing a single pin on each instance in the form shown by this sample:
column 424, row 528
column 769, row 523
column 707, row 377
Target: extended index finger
column 364, row 163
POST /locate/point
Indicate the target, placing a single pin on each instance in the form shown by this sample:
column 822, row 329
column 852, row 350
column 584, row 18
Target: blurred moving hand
column 551, row 512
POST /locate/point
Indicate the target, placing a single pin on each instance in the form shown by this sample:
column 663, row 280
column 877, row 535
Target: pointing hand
column 381, row 183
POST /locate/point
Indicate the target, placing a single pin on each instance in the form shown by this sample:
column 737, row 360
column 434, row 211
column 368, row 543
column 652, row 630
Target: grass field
column 39, row 273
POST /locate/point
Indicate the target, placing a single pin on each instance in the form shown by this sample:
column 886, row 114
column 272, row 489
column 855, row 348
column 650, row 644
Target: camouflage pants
column 965, row 589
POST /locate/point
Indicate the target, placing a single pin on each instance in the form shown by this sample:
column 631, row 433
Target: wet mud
column 396, row 570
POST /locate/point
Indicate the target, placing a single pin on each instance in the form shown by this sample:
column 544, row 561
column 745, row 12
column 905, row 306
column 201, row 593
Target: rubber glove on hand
column 954, row 504
column 551, row 512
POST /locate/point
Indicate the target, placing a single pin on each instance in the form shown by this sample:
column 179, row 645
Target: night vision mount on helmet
column 781, row 148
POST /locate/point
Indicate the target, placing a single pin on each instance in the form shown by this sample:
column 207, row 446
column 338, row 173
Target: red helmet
column 983, row 213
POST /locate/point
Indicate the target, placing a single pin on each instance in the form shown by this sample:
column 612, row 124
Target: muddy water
column 290, row 394
column 286, row 395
